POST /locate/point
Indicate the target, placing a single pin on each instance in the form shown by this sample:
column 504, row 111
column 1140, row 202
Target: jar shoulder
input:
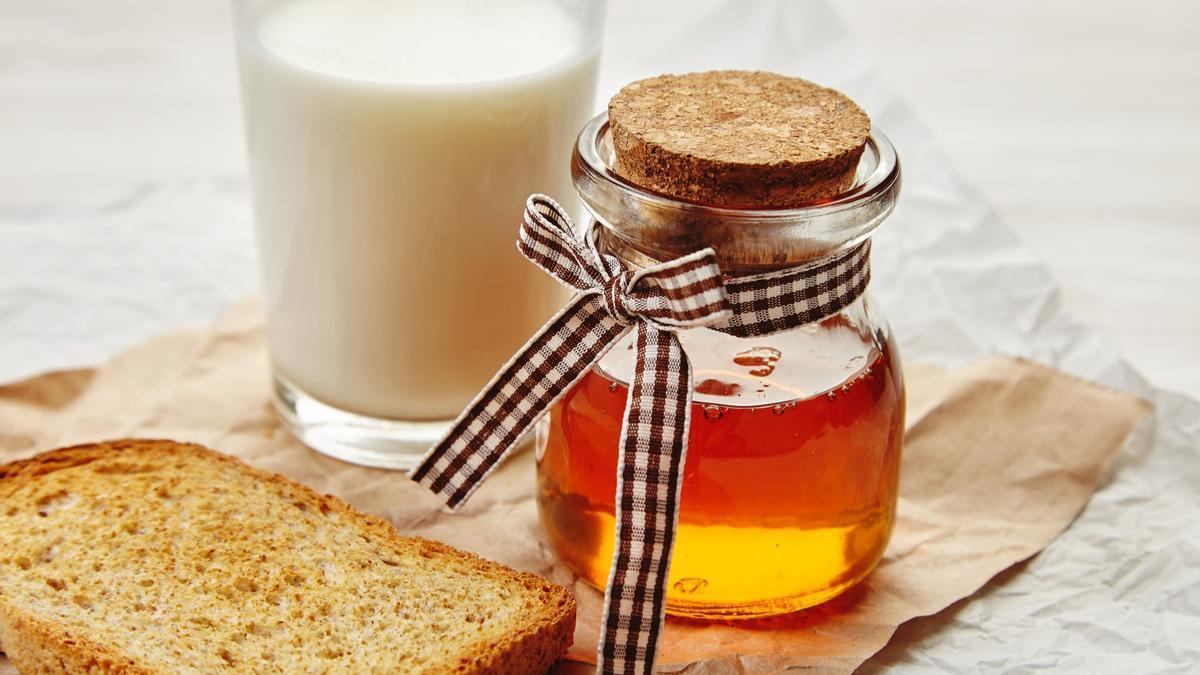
column 771, row 369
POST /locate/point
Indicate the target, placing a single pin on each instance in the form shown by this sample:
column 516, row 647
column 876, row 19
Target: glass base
column 358, row 439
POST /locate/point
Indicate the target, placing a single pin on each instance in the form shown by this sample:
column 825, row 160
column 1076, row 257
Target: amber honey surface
column 786, row 500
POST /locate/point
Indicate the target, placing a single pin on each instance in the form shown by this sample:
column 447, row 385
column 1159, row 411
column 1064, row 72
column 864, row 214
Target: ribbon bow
column 611, row 300
column 683, row 293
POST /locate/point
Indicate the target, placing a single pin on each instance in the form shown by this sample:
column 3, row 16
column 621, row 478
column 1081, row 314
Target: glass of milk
column 392, row 144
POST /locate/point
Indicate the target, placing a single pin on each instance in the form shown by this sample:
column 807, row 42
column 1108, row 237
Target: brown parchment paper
column 999, row 459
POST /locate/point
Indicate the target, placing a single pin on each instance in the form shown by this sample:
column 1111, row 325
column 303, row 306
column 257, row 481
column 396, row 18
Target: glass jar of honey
column 789, row 487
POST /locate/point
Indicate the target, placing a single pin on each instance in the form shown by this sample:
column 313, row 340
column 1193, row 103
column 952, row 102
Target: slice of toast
column 141, row 556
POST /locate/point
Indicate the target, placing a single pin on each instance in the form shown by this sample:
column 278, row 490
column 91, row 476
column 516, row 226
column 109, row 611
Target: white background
column 1077, row 119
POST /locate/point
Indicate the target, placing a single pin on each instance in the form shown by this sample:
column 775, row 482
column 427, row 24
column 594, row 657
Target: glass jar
column 789, row 488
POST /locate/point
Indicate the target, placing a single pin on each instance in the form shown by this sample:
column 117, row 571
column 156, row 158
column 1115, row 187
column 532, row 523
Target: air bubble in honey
column 690, row 585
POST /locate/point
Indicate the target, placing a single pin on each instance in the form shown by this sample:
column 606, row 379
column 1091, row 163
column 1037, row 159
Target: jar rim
column 661, row 227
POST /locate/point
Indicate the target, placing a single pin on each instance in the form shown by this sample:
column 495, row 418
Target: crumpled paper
column 85, row 273
column 999, row 459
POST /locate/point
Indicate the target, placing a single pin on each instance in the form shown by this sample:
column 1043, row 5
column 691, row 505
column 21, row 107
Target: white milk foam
column 421, row 41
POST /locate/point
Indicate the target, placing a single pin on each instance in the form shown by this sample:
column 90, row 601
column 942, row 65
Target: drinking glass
column 391, row 146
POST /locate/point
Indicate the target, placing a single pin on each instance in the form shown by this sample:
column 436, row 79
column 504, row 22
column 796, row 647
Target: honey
column 789, row 488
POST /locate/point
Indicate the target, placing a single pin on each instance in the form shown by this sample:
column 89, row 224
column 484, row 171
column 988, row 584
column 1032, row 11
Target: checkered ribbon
column 611, row 300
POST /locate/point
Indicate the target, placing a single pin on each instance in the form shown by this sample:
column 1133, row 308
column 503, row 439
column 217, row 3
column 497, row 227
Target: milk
column 392, row 145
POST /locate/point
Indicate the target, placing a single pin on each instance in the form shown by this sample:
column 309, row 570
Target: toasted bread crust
column 36, row 645
column 41, row 648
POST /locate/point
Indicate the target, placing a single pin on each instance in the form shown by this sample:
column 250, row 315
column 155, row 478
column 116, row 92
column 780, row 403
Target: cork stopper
column 737, row 138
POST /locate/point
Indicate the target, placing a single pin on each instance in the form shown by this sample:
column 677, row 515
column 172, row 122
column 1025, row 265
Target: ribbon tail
column 650, row 475
column 524, row 389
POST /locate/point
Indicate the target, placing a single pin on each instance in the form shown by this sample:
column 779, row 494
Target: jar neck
column 643, row 227
column 639, row 257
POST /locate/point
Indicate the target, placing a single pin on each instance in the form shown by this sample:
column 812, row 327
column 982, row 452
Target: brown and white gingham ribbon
column 612, row 299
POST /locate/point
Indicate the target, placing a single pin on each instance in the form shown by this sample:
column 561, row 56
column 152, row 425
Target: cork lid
column 644, row 226
column 737, row 138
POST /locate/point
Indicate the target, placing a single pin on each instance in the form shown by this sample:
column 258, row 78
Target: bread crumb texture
column 158, row 557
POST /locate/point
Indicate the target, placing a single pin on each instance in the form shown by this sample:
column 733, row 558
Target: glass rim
column 246, row 15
